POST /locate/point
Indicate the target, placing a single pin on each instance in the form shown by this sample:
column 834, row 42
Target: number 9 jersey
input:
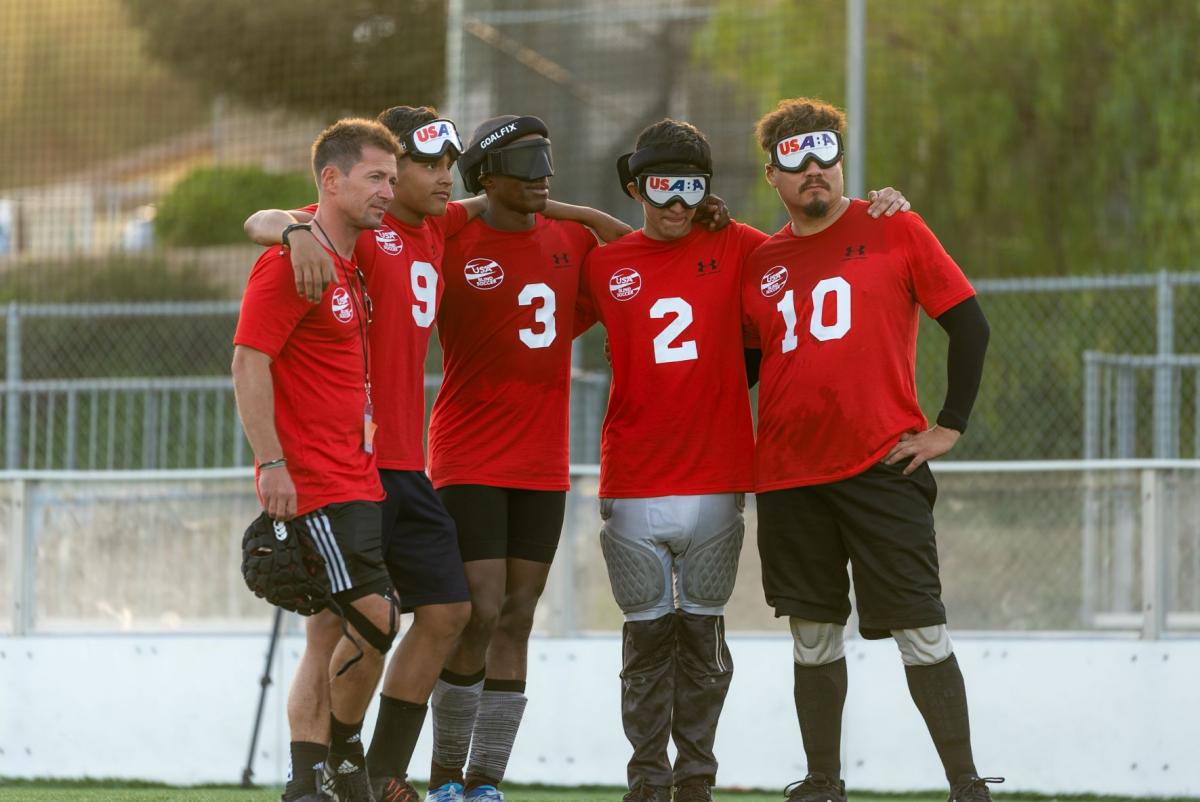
column 836, row 314
column 506, row 324
column 678, row 419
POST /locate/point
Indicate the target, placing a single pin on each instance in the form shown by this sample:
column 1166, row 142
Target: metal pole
column 12, row 377
column 1154, row 591
column 264, row 682
column 1165, row 428
column 452, row 106
column 856, row 25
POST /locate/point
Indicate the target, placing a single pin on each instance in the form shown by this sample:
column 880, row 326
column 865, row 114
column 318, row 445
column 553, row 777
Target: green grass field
column 83, row 791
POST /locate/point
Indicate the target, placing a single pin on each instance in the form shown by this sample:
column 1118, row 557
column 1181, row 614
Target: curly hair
column 798, row 115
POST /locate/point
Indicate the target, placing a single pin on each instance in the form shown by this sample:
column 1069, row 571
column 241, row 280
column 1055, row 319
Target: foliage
column 308, row 56
column 67, row 96
column 1036, row 138
column 209, row 206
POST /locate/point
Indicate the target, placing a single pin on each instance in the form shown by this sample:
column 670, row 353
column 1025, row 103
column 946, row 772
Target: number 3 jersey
column 506, row 324
column 678, row 419
column 836, row 316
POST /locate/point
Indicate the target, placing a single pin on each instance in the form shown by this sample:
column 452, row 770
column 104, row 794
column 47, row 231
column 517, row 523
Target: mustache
column 816, row 182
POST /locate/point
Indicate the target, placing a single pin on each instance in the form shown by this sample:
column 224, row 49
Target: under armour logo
column 861, row 250
column 562, row 259
column 704, row 269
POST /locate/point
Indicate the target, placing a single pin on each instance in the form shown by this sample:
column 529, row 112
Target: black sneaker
column 969, row 788
column 644, row 792
column 346, row 782
column 816, row 787
column 394, row 789
column 693, row 792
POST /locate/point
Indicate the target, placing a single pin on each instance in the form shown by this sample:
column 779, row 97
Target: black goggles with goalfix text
column 506, row 151
column 430, row 141
column 794, row 153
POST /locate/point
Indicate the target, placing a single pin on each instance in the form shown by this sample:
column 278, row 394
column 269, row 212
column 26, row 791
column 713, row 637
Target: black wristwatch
column 294, row 227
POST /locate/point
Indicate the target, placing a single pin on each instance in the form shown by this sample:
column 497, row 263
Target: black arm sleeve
column 968, row 330
column 753, row 361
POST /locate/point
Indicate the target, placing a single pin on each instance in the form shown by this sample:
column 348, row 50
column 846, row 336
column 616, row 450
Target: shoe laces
column 811, row 786
column 693, row 792
column 348, row 786
column 446, row 792
column 394, row 789
column 646, row 793
column 973, row 789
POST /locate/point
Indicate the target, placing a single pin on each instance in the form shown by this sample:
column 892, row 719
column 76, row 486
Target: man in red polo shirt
column 301, row 374
column 833, row 301
column 676, row 454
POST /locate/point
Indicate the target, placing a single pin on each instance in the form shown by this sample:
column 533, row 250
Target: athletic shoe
column 816, row 787
column 447, row 792
column 394, row 789
column 644, row 792
column 693, row 792
column 969, row 788
column 348, row 782
column 484, row 793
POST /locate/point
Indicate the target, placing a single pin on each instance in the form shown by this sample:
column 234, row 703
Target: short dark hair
column 798, row 115
column 402, row 119
column 685, row 137
column 342, row 143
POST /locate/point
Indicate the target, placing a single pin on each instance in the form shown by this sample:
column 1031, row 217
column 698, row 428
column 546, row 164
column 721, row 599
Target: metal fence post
column 12, row 377
column 20, row 559
column 1165, row 427
column 1154, row 591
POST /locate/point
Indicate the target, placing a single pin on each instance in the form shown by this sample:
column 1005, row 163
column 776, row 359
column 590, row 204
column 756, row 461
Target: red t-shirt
column 501, row 415
column 402, row 264
column 678, row 420
column 838, row 388
column 317, row 360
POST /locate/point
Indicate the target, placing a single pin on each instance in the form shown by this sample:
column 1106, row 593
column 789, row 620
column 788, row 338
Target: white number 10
column 816, row 326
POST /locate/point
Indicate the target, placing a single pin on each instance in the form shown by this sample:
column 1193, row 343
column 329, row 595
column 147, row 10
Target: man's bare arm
column 255, row 396
column 607, row 227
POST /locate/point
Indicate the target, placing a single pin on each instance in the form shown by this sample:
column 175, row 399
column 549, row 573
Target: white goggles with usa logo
column 793, row 154
column 663, row 190
column 428, row 141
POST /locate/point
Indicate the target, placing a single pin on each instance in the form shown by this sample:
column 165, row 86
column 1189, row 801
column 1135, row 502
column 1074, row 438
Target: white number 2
column 816, row 326
column 542, row 315
column 663, row 350
column 424, row 289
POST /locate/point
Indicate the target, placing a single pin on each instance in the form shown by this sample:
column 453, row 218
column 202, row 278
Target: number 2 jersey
column 506, row 325
column 836, row 316
column 678, row 419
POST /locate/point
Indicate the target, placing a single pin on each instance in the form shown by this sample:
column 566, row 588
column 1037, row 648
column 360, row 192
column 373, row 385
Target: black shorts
column 347, row 535
column 881, row 521
column 495, row 523
column 420, row 545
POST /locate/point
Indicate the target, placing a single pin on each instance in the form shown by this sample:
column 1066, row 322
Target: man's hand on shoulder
column 713, row 214
column 312, row 266
column 886, row 202
column 921, row 447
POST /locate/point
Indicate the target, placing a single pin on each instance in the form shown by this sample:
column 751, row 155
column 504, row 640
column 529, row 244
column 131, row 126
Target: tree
column 307, row 56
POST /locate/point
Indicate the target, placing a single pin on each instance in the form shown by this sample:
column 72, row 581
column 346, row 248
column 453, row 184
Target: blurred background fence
column 1051, row 146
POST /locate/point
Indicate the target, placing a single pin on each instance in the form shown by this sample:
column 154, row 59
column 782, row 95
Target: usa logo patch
column 484, row 274
column 343, row 307
column 774, row 280
column 625, row 283
column 388, row 241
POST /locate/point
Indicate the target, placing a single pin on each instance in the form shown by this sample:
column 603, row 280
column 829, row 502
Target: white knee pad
column 815, row 644
column 924, row 646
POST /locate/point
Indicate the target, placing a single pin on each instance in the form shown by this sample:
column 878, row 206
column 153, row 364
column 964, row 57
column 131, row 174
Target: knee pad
column 380, row 641
column 924, row 646
column 815, row 643
column 709, row 570
column 634, row 571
